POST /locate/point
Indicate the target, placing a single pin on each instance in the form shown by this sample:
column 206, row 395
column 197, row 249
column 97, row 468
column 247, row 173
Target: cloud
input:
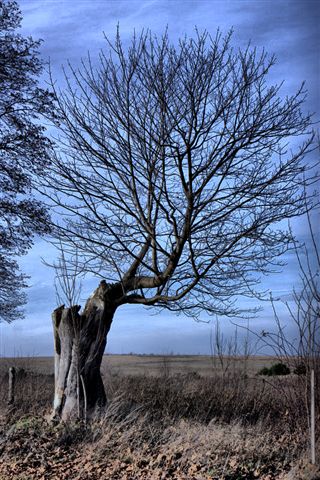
column 70, row 29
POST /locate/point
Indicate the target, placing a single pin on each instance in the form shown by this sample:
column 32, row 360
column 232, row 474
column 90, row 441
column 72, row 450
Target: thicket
column 276, row 369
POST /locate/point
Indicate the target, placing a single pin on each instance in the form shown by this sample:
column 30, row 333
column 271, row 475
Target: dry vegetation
column 184, row 420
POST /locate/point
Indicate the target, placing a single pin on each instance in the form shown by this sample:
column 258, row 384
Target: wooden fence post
column 12, row 380
column 312, row 420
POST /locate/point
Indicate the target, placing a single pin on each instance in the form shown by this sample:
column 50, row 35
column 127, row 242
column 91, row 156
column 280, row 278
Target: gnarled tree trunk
column 80, row 340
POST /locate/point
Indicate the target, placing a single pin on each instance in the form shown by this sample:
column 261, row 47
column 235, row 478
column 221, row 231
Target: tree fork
column 79, row 342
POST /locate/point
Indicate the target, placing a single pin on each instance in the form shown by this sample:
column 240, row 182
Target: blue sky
column 69, row 29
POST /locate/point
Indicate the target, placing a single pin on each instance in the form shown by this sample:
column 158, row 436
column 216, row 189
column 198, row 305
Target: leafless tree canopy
column 173, row 168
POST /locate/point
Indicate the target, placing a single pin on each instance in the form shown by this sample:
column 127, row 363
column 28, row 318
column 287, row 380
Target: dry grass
column 149, row 365
column 170, row 425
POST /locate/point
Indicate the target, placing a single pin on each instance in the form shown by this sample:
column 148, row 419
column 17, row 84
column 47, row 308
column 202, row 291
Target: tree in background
column 172, row 172
column 23, row 154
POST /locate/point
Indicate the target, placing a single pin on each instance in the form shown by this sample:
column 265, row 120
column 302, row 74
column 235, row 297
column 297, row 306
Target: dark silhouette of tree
column 23, row 154
column 173, row 173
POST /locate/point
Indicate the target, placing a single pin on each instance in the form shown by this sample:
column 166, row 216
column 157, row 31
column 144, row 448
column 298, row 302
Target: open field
column 149, row 364
column 168, row 417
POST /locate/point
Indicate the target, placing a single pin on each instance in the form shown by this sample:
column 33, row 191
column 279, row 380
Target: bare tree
column 171, row 168
column 296, row 339
column 230, row 354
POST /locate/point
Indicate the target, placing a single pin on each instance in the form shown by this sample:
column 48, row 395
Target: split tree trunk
column 80, row 340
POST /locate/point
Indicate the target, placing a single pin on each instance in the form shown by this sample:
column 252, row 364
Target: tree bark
column 80, row 340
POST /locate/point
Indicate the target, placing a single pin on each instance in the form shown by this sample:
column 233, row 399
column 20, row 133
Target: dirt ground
column 175, row 418
column 32, row 449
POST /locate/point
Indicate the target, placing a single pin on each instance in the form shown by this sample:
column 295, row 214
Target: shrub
column 279, row 369
column 300, row 369
column 276, row 369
